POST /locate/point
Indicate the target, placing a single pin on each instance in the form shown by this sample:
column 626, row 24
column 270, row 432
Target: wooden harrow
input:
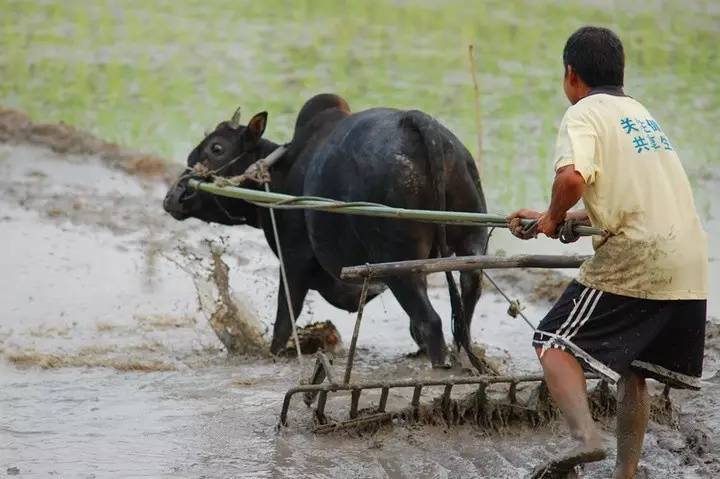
column 322, row 382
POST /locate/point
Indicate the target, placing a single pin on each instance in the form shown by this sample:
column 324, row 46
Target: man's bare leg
column 632, row 417
column 566, row 382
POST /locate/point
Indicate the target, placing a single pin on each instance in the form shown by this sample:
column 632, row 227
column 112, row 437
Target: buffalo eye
column 217, row 149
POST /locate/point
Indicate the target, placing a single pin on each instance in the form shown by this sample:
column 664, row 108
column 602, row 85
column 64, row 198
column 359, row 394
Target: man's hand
column 518, row 229
column 544, row 224
column 548, row 226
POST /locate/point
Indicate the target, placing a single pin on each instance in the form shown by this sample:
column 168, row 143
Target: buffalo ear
column 256, row 125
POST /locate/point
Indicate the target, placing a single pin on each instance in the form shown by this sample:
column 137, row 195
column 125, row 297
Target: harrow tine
column 416, row 399
column 512, row 393
column 446, row 401
column 480, row 401
column 285, row 407
column 320, row 411
column 383, row 399
column 354, row 401
column 321, row 371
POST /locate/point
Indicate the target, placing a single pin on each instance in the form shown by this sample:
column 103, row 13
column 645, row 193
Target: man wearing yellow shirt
column 638, row 305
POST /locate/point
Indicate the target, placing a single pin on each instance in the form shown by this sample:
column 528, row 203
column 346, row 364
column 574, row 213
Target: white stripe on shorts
column 581, row 312
column 587, row 316
column 572, row 313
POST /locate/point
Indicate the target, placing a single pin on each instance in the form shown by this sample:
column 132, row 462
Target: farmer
column 638, row 305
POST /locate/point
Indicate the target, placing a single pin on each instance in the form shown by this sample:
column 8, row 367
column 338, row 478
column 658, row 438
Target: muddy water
column 109, row 369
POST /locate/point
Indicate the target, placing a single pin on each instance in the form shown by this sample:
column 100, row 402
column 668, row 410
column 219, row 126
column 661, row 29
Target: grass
column 156, row 75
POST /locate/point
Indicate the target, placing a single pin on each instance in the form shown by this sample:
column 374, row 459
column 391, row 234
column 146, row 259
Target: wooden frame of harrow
column 322, row 381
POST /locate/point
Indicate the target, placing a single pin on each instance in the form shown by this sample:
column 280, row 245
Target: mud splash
column 233, row 321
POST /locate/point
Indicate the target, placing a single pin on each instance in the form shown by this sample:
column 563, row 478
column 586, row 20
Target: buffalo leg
column 470, row 281
column 471, row 289
column 466, row 195
column 283, row 326
column 425, row 324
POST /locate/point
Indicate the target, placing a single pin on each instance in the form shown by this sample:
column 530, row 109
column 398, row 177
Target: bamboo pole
column 478, row 116
column 283, row 201
column 460, row 263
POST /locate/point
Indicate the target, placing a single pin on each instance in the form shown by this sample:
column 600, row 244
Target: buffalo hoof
column 439, row 357
column 481, row 366
column 420, row 353
column 277, row 347
column 445, row 364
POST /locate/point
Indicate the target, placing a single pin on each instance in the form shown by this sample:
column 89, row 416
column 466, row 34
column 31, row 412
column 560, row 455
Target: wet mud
column 117, row 322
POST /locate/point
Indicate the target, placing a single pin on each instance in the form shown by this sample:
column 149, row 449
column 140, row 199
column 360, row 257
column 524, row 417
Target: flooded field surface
column 108, row 364
column 109, row 368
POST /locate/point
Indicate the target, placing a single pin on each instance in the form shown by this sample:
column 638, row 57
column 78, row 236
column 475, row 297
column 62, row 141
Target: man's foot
column 564, row 464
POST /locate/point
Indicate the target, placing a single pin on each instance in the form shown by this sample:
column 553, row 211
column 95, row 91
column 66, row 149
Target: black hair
column 596, row 54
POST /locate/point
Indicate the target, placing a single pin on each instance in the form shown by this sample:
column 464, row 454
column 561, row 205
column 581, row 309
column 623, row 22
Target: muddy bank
column 109, row 366
column 17, row 128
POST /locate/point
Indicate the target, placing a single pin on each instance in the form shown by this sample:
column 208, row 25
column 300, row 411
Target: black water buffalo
column 398, row 158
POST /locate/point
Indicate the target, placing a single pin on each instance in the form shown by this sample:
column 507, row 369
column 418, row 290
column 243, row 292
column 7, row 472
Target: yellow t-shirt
column 638, row 191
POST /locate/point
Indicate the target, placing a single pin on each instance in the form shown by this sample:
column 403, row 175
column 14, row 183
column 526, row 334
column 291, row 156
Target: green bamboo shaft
column 280, row 201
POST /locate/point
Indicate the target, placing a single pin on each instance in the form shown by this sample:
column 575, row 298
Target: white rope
column 283, row 273
column 562, row 340
column 258, row 166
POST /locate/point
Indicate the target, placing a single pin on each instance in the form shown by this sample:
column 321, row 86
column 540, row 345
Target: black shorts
column 661, row 339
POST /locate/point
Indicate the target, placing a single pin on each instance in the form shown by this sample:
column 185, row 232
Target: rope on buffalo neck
column 258, row 172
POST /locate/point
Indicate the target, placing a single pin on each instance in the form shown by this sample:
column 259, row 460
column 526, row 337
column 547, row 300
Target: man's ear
column 256, row 125
column 571, row 75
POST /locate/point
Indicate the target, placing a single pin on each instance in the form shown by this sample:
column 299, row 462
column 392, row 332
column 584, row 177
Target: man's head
column 593, row 57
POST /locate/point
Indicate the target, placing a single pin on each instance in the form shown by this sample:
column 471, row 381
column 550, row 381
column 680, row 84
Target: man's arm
column 578, row 215
column 568, row 188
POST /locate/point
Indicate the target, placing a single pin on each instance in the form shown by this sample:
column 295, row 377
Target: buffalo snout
column 178, row 200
